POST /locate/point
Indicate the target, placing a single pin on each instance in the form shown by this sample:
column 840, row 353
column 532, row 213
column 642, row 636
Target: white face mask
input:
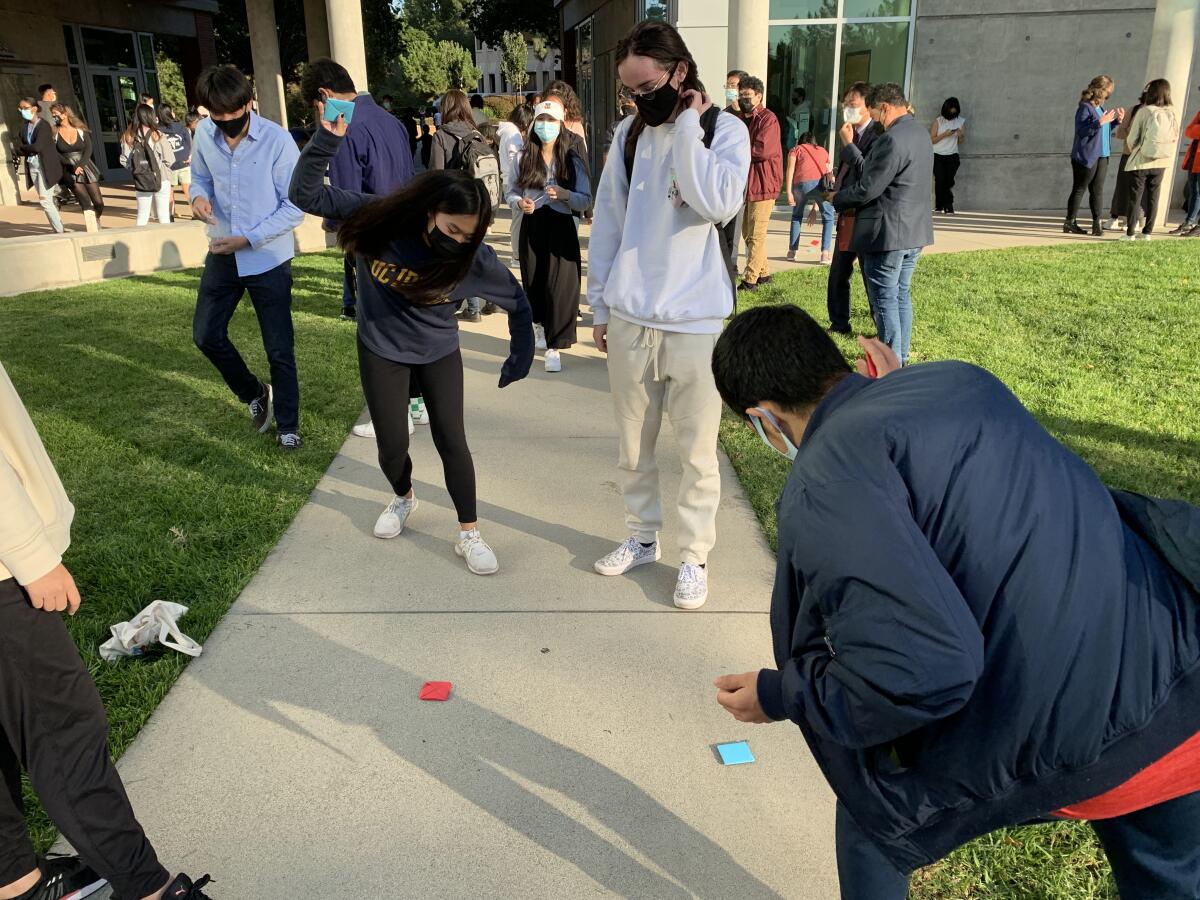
column 852, row 114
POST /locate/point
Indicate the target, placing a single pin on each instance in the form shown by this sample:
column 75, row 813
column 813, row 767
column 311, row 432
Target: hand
column 1120, row 114
column 812, row 216
column 55, row 591
column 79, row 170
column 881, row 355
column 600, row 336
column 527, row 205
column 337, row 127
column 1108, row 117
column 791, row 199
column 554, row 192
column 225, row 246
column 693, row 99
column 202, row 208
column 739, row 695
column 846, row 133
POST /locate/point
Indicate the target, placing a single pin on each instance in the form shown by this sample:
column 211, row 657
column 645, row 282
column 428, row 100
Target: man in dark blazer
column 857, row 134
column 43, row 166
column 893, row 221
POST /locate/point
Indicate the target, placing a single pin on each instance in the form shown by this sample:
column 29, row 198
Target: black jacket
column 853, row 157
column 891, row 195
column 43, row 147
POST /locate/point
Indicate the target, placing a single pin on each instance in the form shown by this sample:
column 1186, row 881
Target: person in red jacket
column 766, row 178
column 1191, row 165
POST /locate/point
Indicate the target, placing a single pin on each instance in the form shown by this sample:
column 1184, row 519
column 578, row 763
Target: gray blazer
column 891, row 196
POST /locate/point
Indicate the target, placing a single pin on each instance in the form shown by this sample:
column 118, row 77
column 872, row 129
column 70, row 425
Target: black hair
column 661, row 43
column 751, row 83
column 776, row 353
column 42, row 88
column 146, row 97
column 889, row 92
column 807, row 138
column 862, row 88
column 738, row 72
column 951, row 108
column 404, row 215
column 193, row 117
column 522, row 117
column 803, row 94
column 532, row 170
column 223, row 89
column 324, row 73
column 491, row 134
column 143, row 117
column 30, row 101
column 386, row 97
column 476, row 101
column 166, row 115
column 529, row 98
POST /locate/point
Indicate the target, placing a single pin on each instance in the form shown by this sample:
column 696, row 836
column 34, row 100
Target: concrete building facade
column 1017, row 67
column 539, row 70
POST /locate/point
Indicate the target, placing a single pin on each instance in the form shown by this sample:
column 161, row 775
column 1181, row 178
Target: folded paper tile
column 436, row 690
column 735, row 754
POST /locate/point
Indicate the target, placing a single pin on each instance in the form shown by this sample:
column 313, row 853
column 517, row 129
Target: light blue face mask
column 731, row 96
column 546, row 131
column 791, row 448
column 27, row 114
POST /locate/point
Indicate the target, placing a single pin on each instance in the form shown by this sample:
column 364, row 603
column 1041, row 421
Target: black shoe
column 183, row 888
column 1097, row 231
column 766, row 279
column 66, row 878
column 747, row 286
column 490, row 309
column 262, row 408
column 1194, row 231
column 349, row 314
column 842, row 331
column 1072, row 227
column 949, row 210
column 1182, row 228
column 470, row 315
column 289, row 440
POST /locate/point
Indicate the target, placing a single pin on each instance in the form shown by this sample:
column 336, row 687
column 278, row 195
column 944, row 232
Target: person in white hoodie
column 660, row 290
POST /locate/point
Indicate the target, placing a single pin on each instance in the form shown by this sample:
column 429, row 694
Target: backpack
column 476, row 157
column 143, row 165
column 1159, row 137
column 727, row 233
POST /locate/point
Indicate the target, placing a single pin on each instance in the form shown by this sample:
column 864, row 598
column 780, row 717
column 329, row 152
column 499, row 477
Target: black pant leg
column 951, row 173
column 1096, row 187
column 220, row 291
column 442, row 382
column 1080, row 175
column 1154, row 852
column 939, row 196
column 386, row 386
column 837, row 296
column 1120, row 194
column 1133, row 199
column 271, row 294
column 1154, row 180
column 17, row 858
column 864, row 873
column 51, row 713
column 349, row 283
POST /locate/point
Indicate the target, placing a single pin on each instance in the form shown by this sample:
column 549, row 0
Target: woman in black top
column 80, row 175
column 418, row 252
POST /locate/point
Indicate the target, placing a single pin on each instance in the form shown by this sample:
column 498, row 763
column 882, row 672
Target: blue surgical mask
column 791, row 448
column 546, row 131
column 27, row 115
column 731, row 96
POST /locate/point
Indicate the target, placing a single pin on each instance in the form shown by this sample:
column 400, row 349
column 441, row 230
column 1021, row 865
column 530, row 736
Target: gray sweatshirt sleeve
column 308, row 190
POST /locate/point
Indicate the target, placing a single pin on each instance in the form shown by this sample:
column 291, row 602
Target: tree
column 170, row 84
column 513, row 56
column 460, row 66
column 421, row 65
column 489, row 19
column 442, row 20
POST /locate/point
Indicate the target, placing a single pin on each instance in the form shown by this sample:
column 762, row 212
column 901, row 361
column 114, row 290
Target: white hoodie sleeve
column 608, row 222
column 712, row 180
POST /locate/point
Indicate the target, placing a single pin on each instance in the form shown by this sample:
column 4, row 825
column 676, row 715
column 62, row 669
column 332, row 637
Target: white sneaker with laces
column 1125, row 237
column 539, row 337
column 553, row 361
column 391, row 521
column 1111, row 225
column 629, row 555
column 366, row 430
column 478, row 555
column 417, row 412
column 1141, row 236
column 691, row 590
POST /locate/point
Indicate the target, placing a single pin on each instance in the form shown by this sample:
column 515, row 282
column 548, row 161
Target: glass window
column 69, row 38
column 80, row 103
column 856, row 9
column 147, row 44
column 656, row 9
column 804, row 9
column 152, row 87
column 800, row 79
column 108, row 48
column 108, row 115
column 876, row 52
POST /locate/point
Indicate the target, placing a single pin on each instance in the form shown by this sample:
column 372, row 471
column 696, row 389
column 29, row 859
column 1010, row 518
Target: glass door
column 116, row 95
column 584, row 85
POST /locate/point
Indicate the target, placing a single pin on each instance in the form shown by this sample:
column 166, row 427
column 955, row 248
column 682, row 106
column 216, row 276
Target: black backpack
column 476, row 157
column 143, row 165
column 727, row 233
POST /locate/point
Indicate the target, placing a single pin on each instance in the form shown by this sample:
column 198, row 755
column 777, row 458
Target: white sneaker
column 629, row 555
column 478, row 555
column 553, row 361
column 539, row 337
column 367, row 430
column 1141, row 236
column 1125, row 237
column 391, row 521
column 417, row 412
column 1111, row 225
column 691, row 590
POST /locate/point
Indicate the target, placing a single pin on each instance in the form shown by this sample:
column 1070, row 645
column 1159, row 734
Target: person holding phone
column 660, row 290
column 947, row 132
column 418, row 251
column 1090, row 151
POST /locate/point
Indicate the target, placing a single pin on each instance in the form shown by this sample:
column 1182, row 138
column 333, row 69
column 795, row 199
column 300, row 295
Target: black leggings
column 1090, row 179
column 386, row 386
column 87, row 195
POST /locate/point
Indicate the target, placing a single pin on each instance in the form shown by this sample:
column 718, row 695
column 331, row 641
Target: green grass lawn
column 1100, row 343
column 177, row 497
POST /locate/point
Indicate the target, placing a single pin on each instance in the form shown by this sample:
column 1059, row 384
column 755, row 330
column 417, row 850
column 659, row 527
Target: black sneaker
column 470, row 315
column 490, row 308
column 262, row 408
column 747, row 286
column 289, row 440
column 66, row 878
column 183, row 888
column 349, row 314
column 766, row 279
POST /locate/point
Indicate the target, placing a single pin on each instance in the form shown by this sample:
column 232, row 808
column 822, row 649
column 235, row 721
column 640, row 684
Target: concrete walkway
column 294, row 760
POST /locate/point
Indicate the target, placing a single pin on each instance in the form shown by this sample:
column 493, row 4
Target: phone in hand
column 335, row 108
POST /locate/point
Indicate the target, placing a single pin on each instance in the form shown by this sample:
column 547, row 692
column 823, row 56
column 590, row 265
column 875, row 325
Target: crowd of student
column 970, row 629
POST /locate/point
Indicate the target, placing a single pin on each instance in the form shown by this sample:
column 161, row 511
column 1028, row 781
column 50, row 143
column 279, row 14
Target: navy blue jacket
column 375, row 157
column 969, row 628
column 1089, row 135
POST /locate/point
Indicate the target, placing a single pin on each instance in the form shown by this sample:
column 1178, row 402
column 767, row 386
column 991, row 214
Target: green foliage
column 489, row 19
column 499, row 108
column 171, row 89
column 442, row 20
column 540, row 47
column 460, row 66
column 514, row 53
column 427, row 67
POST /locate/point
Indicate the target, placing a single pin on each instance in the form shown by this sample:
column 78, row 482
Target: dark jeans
column 837, row 292
column 387, row 386
column 945, row 167
column 1154, row 855
column 1192, row 206
column 1120, row 196
column 889, row 279
column 1091, row 180
column 1144, row 186
column 349, row 283
column 52, row 724
column 221, row 289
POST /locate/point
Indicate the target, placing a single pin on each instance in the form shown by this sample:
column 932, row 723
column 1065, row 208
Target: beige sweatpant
column 652, row 371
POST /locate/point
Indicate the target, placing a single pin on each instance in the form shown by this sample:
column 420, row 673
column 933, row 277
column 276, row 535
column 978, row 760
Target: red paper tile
column 436, row 690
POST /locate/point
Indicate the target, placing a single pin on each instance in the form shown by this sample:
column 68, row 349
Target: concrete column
column 264, row 52
column 748, row 34
column 316, row 26
column 346, row 39
column 1172, row 49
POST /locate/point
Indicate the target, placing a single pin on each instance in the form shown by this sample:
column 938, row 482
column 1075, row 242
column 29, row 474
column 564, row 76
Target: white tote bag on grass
column 157, row 623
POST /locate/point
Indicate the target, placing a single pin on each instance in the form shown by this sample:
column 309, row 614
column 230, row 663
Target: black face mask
column 233, row 127
column 445, row 247
column 656, row 107
column 746, row 105
column 952, row 114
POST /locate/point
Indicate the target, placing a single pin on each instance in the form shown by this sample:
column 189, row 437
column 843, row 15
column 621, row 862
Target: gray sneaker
column 391, row 521
column 629, row 555
column 262, row 408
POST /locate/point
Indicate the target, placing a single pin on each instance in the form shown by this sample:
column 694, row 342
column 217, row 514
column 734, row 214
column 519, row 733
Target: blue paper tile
column 735, row 754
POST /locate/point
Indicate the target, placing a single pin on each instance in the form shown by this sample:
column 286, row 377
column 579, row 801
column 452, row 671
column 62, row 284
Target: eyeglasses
column 646, row 95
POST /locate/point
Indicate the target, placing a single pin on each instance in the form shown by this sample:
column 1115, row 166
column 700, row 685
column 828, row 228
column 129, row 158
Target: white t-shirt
column 512, row 142
column 948, row 144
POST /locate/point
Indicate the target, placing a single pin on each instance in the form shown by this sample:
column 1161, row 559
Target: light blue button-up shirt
column 248, row 190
